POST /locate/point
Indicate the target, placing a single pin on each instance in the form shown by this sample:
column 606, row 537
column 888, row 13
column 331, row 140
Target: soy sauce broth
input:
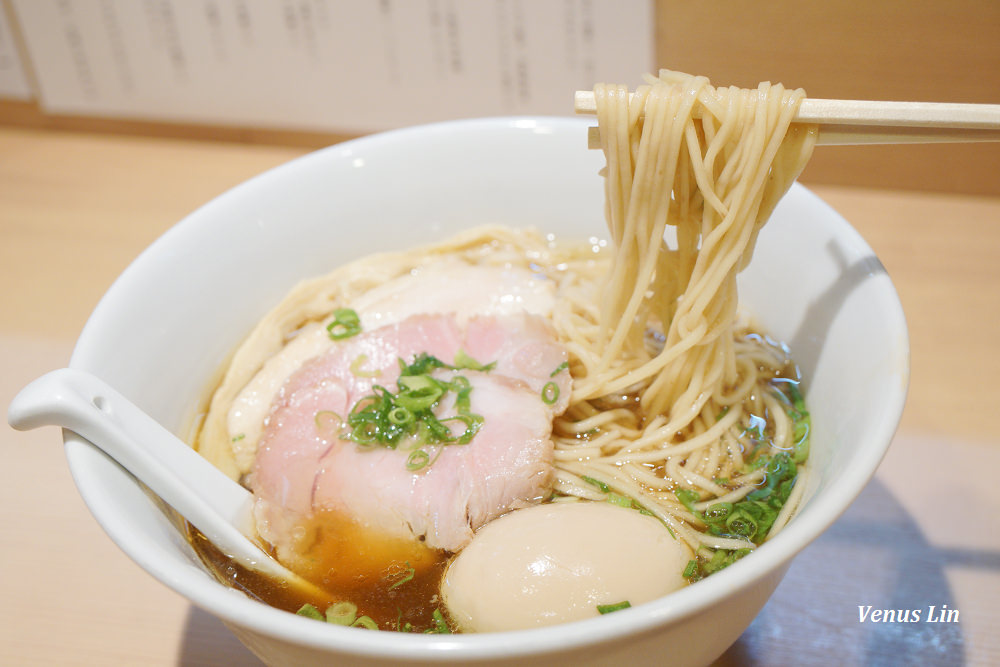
column 408, row 606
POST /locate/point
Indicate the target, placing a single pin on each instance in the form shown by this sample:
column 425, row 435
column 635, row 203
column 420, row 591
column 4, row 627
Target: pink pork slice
column 302, row 465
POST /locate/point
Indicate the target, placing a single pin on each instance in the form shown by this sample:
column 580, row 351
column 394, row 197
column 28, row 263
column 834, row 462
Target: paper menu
column 334, row 65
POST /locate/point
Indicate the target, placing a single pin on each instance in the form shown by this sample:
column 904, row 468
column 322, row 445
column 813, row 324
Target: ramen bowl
column 164, row 329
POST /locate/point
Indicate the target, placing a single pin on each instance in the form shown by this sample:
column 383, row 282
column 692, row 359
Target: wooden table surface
column 75, row 209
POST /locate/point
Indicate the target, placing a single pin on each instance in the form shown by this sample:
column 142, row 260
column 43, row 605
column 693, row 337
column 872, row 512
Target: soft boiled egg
column 558, row 562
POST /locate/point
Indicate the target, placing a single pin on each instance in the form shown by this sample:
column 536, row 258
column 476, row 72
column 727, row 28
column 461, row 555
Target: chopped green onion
column 741, row 522
column 408, row 576
column 596, row 482
column 324, row 420
column 400, row 416
column 364, row 434
column 463, row 360
column 701, row 567
column 753, row 517
column 550, row 393
column 608, row 608
column 423, row 364
column 802, row 420
column 417, row 460
column 717, row 512
column 345, row 324
column 238, row 437
column 365, row 622
column 400, row 626
column 801, row 441
column 339, row 613
column 419, row 392
column 620, row 500
column 440, row 626
column 688, row 498
column 459, row 383
column 385, row 418
column 472, row 423
column 310, row 611
column 561, row 367
column 463, row 392
column 342, row 613
column 750, row 518
column 626, row 502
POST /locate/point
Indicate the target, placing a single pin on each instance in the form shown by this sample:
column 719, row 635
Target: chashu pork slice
column 304, row 466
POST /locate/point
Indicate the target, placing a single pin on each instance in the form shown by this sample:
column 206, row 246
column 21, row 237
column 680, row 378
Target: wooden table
column 75, row 209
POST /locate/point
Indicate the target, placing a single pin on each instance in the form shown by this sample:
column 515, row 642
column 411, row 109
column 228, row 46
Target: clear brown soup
column 407, row 606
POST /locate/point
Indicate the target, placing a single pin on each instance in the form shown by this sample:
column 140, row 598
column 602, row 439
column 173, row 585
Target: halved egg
column 559, row 562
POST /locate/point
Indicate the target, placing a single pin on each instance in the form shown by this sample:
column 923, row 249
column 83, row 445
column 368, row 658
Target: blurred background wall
column 539, row 51
column 919, row 50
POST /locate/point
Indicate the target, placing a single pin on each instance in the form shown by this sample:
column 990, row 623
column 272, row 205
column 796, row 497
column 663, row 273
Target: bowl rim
column 235, row 609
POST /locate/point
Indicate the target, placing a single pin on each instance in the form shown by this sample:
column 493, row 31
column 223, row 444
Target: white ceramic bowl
column 166, row 325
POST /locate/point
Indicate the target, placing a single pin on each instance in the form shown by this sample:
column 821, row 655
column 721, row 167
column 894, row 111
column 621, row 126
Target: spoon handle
column 84, row 404
column 213, row 503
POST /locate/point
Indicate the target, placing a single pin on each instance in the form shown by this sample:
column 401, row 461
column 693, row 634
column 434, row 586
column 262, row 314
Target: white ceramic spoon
column 210, row 501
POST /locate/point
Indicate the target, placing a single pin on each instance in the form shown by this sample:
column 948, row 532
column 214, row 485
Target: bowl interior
column 164, row 328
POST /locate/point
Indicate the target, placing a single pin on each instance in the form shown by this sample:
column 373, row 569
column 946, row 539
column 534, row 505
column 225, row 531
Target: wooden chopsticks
column 852, row 122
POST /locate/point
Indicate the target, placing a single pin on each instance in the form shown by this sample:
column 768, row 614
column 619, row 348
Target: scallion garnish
column 346, row 613
column 440, row 626
column 742, row 522
column 715, row 560
column 463, row 360
column 617, row 606
column 752, row 517
column 400, row 416
column 310, row 611
column 472, row 425
column 418, row 392
column 339, row 613
column 596, row 482
column 561, row 367
column 627, row 502
column 342, row 613
column 423, row 364
column 345, row 324
column 407, row 576
column 365, row 622
column 327, row 420
column 801, row 419
column 688, row 498
column 620, row 500
column 417, row 460
column 385, row 418
column 550, row 393
column 718, row 512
